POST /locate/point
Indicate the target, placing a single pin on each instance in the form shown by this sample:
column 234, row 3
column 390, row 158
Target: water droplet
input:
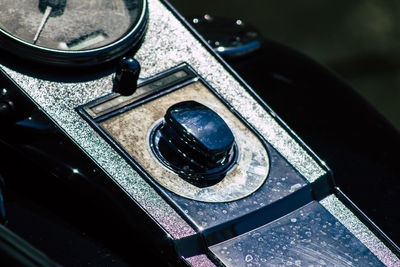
column 248, row 258
column 295, row 187
column 254, row 235
column 322, row 262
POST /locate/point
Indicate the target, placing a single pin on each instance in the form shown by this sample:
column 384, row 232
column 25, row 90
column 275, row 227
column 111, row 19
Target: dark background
column 359, row 40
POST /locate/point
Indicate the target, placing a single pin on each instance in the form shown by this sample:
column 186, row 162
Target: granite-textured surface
column 200, row 261
column 358, row 229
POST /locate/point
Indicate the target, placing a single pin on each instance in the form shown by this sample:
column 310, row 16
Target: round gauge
column 71, row 32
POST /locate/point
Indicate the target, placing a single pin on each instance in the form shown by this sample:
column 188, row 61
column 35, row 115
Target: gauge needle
column 42, row 23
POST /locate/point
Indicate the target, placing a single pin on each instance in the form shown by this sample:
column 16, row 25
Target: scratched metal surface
column 309, row 236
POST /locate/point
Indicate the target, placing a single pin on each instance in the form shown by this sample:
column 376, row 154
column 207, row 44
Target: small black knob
column 58, row 6
column 126, row 77
column 195, row 142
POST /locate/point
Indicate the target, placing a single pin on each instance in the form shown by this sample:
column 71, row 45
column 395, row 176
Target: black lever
column 126, row 77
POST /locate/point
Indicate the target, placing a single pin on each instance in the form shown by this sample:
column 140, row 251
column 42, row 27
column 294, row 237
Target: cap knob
column 195, row 142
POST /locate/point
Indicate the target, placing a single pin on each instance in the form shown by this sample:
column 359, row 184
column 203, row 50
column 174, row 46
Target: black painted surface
column 358, row 144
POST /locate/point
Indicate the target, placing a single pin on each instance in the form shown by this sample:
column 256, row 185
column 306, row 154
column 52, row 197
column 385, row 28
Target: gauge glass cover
column 63, row 29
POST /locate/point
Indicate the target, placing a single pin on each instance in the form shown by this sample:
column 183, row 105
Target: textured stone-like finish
column 131, row 130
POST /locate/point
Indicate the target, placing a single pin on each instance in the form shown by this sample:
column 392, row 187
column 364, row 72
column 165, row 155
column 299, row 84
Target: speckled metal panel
column 309, row 236
column 167, row 44
column 358, row 229
column 200, row 261
column 161, row 50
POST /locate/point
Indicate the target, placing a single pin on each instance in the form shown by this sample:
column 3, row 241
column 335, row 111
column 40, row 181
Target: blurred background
column 358, row 40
